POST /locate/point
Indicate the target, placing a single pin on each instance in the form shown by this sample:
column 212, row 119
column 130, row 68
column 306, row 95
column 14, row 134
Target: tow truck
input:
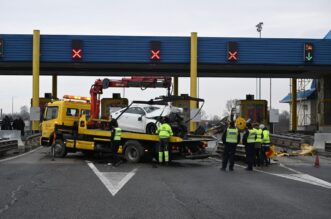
column 89, row 134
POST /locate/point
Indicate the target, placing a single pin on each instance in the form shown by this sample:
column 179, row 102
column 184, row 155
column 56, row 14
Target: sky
column 209, row 18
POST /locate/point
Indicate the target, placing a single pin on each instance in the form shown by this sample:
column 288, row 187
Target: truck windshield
column 51, row 113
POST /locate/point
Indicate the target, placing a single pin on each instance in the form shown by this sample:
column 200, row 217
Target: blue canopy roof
column 302, row 95
column 328, row 35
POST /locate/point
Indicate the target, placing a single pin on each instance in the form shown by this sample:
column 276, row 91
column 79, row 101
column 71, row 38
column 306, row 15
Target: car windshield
column 150, row 109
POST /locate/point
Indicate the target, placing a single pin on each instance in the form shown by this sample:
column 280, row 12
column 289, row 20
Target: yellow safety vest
column 258, row 135
column 266, row 137
column 231, row 135
column 251, row 136
column 117, row 134
column 164, row 131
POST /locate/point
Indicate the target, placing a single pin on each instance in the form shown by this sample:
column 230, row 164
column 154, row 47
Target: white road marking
column 298, row 176
column 12, row 158
column 113, row 181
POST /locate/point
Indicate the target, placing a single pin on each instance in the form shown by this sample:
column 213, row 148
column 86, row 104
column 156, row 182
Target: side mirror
column 140, row 118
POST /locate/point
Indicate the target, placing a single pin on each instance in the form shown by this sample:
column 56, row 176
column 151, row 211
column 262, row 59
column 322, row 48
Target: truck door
column 50, row 117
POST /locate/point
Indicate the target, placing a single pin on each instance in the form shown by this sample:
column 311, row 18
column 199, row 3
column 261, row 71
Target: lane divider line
column 298, row 176
column 12, row 158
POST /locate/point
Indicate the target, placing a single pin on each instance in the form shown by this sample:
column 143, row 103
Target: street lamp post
column 259, row 30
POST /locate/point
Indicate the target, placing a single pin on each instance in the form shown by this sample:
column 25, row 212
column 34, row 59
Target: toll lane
column 33, row 186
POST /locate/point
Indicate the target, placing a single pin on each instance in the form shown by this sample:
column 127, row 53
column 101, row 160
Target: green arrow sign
column 309, row 57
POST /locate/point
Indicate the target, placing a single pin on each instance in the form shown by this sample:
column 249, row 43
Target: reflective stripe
column 160, row 157
column 164, row 131
column 266, row 137
column 166, row 156
column 251, row 136
column 117, row 134
column 258, row 135
column 231, row 135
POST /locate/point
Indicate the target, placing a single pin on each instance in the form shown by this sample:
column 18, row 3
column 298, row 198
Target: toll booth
column 256, row 110
column 110, row 105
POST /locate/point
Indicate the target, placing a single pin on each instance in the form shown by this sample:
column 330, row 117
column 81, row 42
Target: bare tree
column 230, row 104
column 24, row 113
column 284, row 122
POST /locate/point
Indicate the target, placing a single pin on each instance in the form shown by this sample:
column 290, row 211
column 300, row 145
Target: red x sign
column 232, row 55
column 76, row 53
column 155, row 54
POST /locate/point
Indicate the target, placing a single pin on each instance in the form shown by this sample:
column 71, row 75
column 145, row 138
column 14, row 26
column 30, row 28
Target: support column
column 193, row 74
column 54, row 86
column 294, row 104
column 176, row 86
column 324, row 104
column 35, row 76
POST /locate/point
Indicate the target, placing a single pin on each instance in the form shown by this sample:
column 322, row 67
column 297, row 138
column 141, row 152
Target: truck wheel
column 133, row 151
column 60, row 149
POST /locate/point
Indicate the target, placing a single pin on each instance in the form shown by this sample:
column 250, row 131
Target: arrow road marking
column 113, row 181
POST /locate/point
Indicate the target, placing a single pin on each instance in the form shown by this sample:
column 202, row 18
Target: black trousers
column 250, row 153
column 228, row 155
column 115, row 146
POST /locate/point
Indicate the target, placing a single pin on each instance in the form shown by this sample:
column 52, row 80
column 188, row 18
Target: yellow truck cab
column 63, row 114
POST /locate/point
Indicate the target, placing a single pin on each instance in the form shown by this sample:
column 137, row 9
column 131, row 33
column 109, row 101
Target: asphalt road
column 33, row 186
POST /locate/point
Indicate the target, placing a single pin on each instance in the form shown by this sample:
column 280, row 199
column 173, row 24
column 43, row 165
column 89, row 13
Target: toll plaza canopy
column 87, row 55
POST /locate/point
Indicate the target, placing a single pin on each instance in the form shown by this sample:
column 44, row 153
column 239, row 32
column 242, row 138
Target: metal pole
column 294, row 104
column 270, row 93
column 260, row 88
column 54, row 86
column 35, row 70
column 176, row 86
column 193, row 74
column 12, row 105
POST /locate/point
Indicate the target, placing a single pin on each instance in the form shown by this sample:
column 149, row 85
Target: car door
column 127, row 120
column 132, row 120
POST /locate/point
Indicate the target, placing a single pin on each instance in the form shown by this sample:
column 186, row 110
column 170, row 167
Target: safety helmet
column 261, row 126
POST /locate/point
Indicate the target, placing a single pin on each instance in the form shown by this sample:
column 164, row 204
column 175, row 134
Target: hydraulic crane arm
column 142, row 82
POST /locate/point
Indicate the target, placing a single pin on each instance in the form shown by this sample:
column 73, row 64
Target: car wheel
column 151, row 128
column 133, row 151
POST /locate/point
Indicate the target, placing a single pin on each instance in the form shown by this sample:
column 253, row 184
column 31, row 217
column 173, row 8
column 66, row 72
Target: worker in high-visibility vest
column 265, row 144
column 258, row 144
column 165, row 132
column 115, row 141
column 249, row 142
column 230, row 138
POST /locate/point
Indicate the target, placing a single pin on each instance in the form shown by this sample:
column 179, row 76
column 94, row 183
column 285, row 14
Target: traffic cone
column 317, row 161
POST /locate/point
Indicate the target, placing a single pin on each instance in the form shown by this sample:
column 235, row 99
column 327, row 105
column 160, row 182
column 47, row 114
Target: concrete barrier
column 321, row 140
column 13, row 135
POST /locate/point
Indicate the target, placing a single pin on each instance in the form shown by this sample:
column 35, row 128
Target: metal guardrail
column 240, row 150
column 7, row 145
column 291, row 140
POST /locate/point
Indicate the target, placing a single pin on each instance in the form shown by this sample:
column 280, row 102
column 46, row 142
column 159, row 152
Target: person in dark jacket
column 249, row 142
column 6, row 124
column 230, row 138
column 20, row 125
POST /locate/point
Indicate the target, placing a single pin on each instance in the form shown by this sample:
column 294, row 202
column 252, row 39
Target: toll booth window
column 51, row 113
column 72, row 112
